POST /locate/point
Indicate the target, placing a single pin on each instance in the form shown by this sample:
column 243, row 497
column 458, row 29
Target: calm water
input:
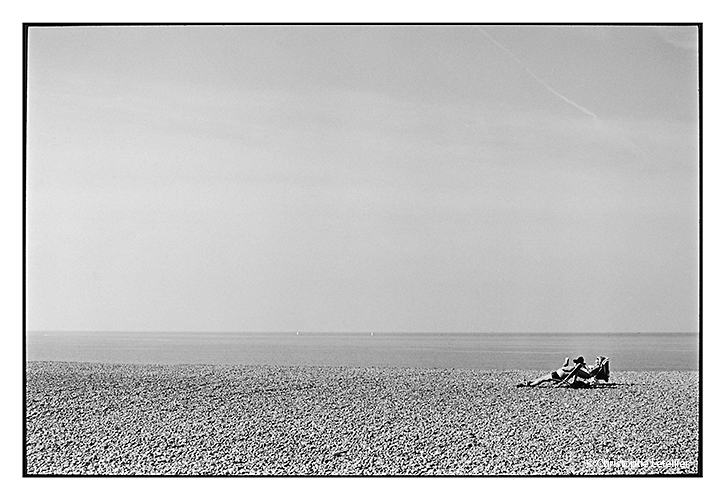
column 640, row 352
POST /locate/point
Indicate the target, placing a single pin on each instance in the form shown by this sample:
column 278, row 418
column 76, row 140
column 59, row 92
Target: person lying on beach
column 566, row 372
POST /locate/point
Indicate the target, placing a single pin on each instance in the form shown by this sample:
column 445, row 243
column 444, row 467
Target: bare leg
column 542, row 379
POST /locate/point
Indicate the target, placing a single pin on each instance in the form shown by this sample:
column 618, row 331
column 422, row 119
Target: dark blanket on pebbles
column 97, row 419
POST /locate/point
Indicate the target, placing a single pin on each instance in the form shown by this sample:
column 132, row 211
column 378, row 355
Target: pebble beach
column 132, row 419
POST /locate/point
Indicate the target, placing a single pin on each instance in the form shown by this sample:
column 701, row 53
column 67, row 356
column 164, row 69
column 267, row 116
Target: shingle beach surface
column 97, row 419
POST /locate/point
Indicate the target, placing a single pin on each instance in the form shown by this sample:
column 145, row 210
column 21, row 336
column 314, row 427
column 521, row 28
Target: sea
column 480, row 351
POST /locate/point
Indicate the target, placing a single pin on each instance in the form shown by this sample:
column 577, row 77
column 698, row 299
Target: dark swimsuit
column 555, row 375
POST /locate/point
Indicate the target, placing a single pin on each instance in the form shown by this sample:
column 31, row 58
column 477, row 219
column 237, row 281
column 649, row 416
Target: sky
column 363, row 178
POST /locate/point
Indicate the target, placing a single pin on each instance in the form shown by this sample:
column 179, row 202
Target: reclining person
column 562, row 373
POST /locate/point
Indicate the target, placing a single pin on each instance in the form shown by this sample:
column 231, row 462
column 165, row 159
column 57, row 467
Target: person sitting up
column 567, row 372
column 600, row 371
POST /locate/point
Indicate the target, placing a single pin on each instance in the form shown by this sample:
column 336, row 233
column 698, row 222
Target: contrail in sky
column 535, row 77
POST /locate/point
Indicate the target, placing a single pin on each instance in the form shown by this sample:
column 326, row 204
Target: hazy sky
column 354, row 178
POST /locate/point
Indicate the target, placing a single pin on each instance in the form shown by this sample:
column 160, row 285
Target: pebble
column 111, row 419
